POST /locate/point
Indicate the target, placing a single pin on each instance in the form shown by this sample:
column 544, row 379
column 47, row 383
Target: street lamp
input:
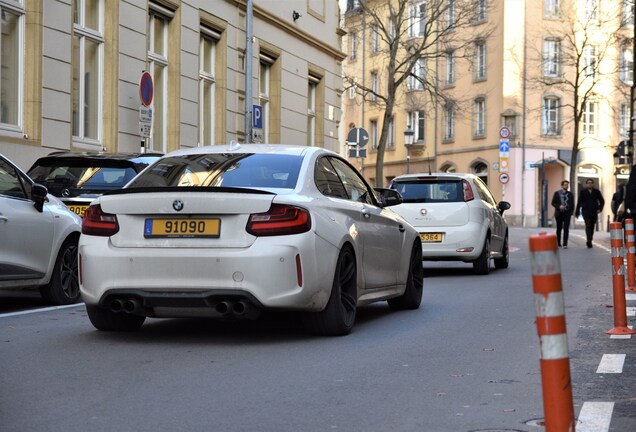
column 408, row 141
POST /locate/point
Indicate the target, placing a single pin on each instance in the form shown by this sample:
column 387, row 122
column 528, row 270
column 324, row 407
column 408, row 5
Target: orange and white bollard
column 630, row 248
column 618, row 281
column 550, row 311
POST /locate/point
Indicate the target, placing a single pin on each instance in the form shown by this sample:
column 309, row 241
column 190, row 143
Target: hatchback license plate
column 78, row 209
column 182, row 228
column 431, row 237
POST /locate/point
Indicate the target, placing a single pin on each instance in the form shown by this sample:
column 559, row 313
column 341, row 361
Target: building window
column 480, row 60
column 552, row 8
column 373, row 134
column 627, row 65
column 480, row 169
column 417, row 77
column 207, row 97
column 479, row 118
column 627, row 15
column 510, row 121
column 448, row 168
column 417, row 120
column 88, row 45
column 589, row 119
column 451, row 14
column 449, row 74
column 312, row 91
column 417, row 19
column 352, row 91
column 375, row 86
column 551, row 57
column 159, row 18
column 353, row 45
column 590, row 10
column 375, row 39
column 551, row 118
column 11, row 66
column 480, row 8
column 264, row 80
column 390, row 139
column 589, row 61
column 624, row 120
column 449, row 122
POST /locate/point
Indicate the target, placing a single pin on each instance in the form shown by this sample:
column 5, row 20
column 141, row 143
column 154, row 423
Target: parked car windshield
column 433, row 190
column 265, row 170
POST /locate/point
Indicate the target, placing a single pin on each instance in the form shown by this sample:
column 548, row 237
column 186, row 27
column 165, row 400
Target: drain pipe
column 249, row 36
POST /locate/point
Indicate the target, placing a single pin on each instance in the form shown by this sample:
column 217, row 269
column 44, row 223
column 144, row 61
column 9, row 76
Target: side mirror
column 38, row 195
column 389, row 197
column 503, row 206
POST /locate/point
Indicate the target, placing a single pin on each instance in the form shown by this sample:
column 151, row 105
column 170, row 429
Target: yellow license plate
column 182, row 228
column 78, row 209
column 431, row 237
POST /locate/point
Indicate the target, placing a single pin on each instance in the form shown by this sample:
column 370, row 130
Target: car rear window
column 81, row 175
column 435, row 190
column 251, row 170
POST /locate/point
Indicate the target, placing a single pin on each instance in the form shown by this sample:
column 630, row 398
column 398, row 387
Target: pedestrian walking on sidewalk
column 563, row 203
column 589, row 204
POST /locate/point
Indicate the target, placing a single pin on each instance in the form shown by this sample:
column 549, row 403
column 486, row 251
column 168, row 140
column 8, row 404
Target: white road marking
column 595, row 417
column 611, row 363
column 630, row 296
column 631, row 311
column 32, row 311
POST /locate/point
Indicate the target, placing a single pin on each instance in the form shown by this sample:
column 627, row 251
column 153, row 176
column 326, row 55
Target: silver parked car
column 232, row 230
column 457, row 218
column 38, row 239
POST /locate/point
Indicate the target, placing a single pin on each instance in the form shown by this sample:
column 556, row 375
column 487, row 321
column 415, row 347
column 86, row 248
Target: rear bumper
column 174, row 280
column 462, row 243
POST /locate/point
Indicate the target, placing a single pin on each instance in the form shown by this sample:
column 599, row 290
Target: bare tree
column 577, row 55
column 411, row 36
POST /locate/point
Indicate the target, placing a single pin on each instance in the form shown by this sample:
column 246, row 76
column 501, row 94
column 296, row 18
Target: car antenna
column 429, row 163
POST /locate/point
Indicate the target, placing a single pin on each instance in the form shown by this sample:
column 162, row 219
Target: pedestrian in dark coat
column 617, row 200
column 589, row 204
column 563, row 203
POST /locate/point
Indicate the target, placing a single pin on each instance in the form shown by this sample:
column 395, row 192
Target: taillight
column 279, row 220
column 468, row 191
column 98, row 223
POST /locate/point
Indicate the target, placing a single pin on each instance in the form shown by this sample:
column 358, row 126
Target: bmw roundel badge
column 177, row 205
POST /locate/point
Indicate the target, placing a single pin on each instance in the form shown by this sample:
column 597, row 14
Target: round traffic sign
column 504, row 132
column 504, row 177
column 358, row 136
column 146, row 88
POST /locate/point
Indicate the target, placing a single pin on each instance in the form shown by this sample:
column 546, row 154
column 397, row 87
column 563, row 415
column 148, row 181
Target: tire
column 103, row 319
column 481, row 265
column 340, row 313
column 504, row 261
column 63, row 288
column 412, row 296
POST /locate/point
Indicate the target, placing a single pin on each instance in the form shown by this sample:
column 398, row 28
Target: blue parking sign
column 257, row 116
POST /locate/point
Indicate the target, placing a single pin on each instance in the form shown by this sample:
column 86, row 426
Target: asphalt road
column 467, row 360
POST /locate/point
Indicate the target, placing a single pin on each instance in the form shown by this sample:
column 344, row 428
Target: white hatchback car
column 230, row 230
column 38, row 239
column 457, row 218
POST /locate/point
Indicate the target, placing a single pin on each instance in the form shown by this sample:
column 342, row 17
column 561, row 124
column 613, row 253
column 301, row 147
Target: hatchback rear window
column 249, row 170
column 437, row 190
column 81, row 176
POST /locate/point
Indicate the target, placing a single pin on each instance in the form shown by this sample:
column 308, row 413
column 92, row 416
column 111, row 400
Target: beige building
column 520, row 77
column 71, row 72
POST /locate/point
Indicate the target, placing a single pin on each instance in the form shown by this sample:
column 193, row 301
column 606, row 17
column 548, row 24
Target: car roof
column 440, row 175
column 289, row 149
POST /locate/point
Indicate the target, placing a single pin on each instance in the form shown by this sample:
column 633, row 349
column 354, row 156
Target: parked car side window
column 327, row 181
column 355, row 186
column 10, row 183
column 484, row 193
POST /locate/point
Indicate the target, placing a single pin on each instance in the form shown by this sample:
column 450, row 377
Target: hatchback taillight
column 279, row 220
column 468, row 191
column 98, row 223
